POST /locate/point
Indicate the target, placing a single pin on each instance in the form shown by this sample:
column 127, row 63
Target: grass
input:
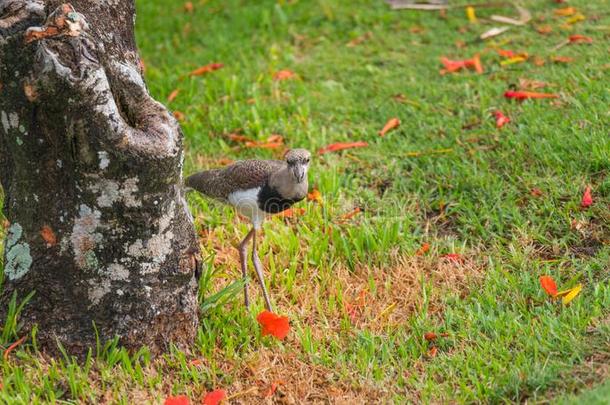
column 358, row 296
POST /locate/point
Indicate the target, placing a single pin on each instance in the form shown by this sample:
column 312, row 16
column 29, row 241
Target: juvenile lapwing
column 256, row 188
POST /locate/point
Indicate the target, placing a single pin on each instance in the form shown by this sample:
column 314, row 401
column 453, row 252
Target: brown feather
column 241, row 175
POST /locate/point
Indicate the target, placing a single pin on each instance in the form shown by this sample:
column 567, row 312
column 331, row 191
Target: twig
column 12, row 347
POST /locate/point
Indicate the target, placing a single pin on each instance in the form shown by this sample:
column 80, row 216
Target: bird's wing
column 241, row 175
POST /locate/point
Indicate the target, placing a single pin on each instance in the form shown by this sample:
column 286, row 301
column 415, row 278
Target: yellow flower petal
column 573, row 292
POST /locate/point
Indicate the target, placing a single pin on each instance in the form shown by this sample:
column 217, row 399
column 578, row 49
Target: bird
column 256, row 189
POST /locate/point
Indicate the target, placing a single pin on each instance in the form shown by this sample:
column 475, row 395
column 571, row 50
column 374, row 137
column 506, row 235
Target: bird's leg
column 243, row 259
column 259, row 271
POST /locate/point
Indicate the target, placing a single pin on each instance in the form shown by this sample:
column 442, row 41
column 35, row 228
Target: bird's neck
column 283, row 181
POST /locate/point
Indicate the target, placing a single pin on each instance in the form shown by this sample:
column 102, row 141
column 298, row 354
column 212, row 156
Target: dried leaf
column 357, row 41
column 172, row 96
column 178, row 400
column 562, row 59
column 179, row 116
column 527, row 84
column 425, row 247
column 335, row 147
column 544, row 29
column 430, row 336
column 239, row 138
column 433, row 351
column 284, row 75
column 206, row 69
column 452, row 66
column 501, row 119
column 576, row 39
column 471, row 14
column 564, row 12
column 494, row 32
column 48, row 236
column 575, row 19
column 523, row 95
column 273, row 388
column 548, row 284
column 512, row 61
column 214, row 397
column 273, row 324
column 587, row 198
column 351, row 214
column 188, row 7
column 292, row 212
column 571, row 294
column 12, row 347
column 390, row 125
column 536, row 192
column 315, row 195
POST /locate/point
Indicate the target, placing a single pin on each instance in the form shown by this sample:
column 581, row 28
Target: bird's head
column 298, row 163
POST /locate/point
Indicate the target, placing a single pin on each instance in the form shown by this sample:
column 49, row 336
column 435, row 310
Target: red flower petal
column 522, row 95
column 214, row 397
column 273, row 324
column 587, row 198
column 548, row 284
column 580, row 39
column 501, row 119
column 179, row 400
column 390, row 125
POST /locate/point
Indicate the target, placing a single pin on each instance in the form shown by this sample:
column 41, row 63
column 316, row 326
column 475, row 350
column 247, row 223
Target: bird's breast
column 271, row 201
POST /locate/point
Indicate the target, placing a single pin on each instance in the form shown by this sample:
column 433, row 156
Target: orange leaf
column 273, row 324
column 214, row 397
column 335, row 147
column 423, row 249
column 179, row 116
column 536, row 192
column 273, row 388
column 351, row 214
column 172, row 96
column 501, row 119
column 390, row 125
column 206, row 69
column 430, row 336
column 548, row 284
column 48, row 235
column 452, row 66
column 315, row 195
column 544, row 29
column 292, row 213
column 580, row 39
column 564, row 12
column 195, row 362
column 188, row 7
column 284, row 75
column 12, row 347
column 587, row 198
column 432, row 352
column 522, row 95
column 239, row 138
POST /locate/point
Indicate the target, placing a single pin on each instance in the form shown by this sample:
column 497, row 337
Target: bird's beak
column 299, row 172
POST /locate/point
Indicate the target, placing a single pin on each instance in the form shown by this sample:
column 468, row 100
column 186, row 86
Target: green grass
column 506, row 340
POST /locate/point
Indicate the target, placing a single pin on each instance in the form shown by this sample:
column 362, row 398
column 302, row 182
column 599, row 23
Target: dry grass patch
column 273, row 376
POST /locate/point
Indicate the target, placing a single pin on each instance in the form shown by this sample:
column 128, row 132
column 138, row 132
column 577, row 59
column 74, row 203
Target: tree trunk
column 91, row 169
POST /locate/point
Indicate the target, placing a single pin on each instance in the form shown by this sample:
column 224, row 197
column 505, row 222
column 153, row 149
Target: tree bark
column 91, row 169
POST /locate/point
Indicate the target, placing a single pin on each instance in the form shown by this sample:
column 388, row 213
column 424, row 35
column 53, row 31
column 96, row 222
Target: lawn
column 458, row 219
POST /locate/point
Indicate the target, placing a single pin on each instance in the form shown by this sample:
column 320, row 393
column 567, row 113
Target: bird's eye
column 307, row 160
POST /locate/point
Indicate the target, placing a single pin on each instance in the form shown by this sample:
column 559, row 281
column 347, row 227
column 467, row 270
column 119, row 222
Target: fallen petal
column 587, row 198
column 390, row 125
column 335, row 147
column 548, row 284
column 214, row 397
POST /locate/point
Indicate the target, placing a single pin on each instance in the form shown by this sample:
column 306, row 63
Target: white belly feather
column 246, row 203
